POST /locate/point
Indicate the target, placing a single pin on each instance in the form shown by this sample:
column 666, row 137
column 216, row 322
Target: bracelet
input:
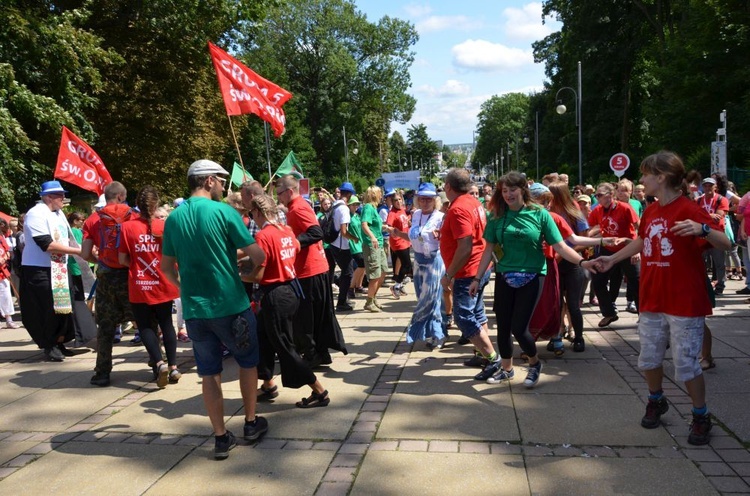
column 580, row 262
column 601, row 242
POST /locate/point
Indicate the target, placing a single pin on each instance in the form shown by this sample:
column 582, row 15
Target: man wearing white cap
column 202, row 238
column 46, row 307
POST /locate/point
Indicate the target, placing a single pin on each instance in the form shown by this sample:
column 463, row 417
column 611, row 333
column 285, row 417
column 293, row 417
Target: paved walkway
column 402, row 420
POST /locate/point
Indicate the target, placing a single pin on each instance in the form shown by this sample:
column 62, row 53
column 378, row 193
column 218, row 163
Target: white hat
column 205, row 167
column 101, row 203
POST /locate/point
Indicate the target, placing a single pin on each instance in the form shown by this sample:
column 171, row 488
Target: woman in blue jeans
column 515, row 234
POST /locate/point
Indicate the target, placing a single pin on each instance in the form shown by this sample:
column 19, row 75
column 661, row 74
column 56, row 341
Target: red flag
column 245, row 92
column 78, row 163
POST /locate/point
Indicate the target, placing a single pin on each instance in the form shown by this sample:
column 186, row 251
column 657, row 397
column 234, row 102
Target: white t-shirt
column 40, row 221
column 340, row 216
column 422, row 231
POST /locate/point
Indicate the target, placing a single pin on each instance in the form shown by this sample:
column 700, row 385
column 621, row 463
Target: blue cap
column 537, row 189
column 389, row 192
column 51, row 187
column 427, row 189
column 347, row 188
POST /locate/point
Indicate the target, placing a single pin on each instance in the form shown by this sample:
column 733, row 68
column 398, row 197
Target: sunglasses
column 599, row 195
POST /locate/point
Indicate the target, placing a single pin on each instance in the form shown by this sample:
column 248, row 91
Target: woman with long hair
column 672, row 236
column 376, row 263
column 151, row 294
column 515, row 234
column 280, row 292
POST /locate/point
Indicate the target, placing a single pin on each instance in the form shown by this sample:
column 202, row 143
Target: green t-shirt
column 355, row 229
column 374, row 222
column 319, row 216
column 521, row 234
column 204, row 236
column 637, row 206
column 73, row 267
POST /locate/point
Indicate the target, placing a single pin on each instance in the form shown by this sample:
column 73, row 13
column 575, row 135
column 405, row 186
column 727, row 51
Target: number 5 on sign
column 619, row 163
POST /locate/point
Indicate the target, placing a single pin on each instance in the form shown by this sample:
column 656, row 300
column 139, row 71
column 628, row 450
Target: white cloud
column 526, row 23
column 483, row 55
column 450, row 88
column 417, row 10
column 442, row 23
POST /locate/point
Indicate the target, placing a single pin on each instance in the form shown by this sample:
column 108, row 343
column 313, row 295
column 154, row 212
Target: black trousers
column 514, row 308
column 608, row 295
column 571, row 286
column 276, row 337
column 405, row 268
column 344, row 261
column 146, row 316
column 37, row 309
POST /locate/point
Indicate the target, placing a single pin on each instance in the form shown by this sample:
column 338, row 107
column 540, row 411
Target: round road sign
column 619, row 163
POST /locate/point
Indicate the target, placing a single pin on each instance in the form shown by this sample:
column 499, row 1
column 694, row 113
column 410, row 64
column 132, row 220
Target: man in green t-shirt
column 202, row 237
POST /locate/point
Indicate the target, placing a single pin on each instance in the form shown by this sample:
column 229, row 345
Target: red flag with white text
column 245, row 92
column 78, row 163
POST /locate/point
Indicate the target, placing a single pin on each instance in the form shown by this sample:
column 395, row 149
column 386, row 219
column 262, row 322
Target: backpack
column 111, row 218
column 330, row 233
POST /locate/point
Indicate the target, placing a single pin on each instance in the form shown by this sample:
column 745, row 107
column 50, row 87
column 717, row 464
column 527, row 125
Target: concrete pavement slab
column 576, row 476
column 733, row 411
column 563, row 376
column 93, row 468
column 444, row 416
column 56, row 410
column 608, row 420
column 10, row 449
column 394, row 473
column 248, row 470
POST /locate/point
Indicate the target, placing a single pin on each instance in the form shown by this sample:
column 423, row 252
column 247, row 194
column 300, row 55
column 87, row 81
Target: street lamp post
column 561, row 110
column 536, row 141
column 510, row 152
column 346, row 151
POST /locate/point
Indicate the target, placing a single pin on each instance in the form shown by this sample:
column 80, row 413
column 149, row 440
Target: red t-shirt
column 400, row 220
column 5, row 252
column 92, row 230
column 673, row 277
column 465, row 217
column 718, row 202
column 146, row 282
column 616, row 221
column 565, row 233
column 311, row 260
column 281, row 248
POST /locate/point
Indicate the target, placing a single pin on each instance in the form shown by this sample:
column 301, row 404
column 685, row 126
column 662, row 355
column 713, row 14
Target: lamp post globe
column 561, row 109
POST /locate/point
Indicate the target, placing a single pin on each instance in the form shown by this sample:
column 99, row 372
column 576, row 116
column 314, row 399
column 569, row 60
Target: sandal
column 267, row 394
column 174, row 376
column 707, row 363
column 314, row 400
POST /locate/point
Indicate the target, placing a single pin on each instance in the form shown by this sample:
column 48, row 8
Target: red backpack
column 111, row 218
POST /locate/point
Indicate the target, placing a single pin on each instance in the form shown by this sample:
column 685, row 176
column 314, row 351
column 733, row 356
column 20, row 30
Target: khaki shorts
column 376, row 262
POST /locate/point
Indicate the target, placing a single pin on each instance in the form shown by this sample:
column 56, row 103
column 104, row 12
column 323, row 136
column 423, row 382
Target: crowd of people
column 255, row 276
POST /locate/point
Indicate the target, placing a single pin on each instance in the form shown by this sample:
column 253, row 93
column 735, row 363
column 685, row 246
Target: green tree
column 397, row 146
column 502, row 120
column 344, row 71
column 422, row 149
column 49, row 77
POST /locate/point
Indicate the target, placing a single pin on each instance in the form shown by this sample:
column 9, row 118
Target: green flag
column 239, row 175
column 290, row 165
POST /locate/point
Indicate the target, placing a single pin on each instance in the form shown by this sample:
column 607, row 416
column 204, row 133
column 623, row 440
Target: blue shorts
column 468, row 311
column 237, row 332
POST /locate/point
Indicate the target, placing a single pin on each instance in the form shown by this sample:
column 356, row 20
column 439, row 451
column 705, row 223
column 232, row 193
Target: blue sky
column 468, row 50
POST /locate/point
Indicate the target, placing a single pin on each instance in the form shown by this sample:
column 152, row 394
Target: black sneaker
column 654, row 410
column 345, row 307
column 476, row 361
column 743, row 291
column 579, row 345
column 462, row 340
column 223, row 445
column 255, row 429
column 65, row 351
column 100, row 379
column 490, row 370
column 699, row 429
column 608, row 320
column 54, row 355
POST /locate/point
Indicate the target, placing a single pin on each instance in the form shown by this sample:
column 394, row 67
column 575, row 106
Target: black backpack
column 330, row 233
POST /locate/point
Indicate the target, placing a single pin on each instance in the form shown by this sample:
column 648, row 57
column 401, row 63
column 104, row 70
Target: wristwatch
column 705, row 229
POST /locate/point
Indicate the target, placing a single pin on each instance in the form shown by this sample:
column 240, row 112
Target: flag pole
column 268, row 151
column 236, row 145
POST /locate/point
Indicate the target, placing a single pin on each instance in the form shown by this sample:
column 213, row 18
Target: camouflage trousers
column 112, row 308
